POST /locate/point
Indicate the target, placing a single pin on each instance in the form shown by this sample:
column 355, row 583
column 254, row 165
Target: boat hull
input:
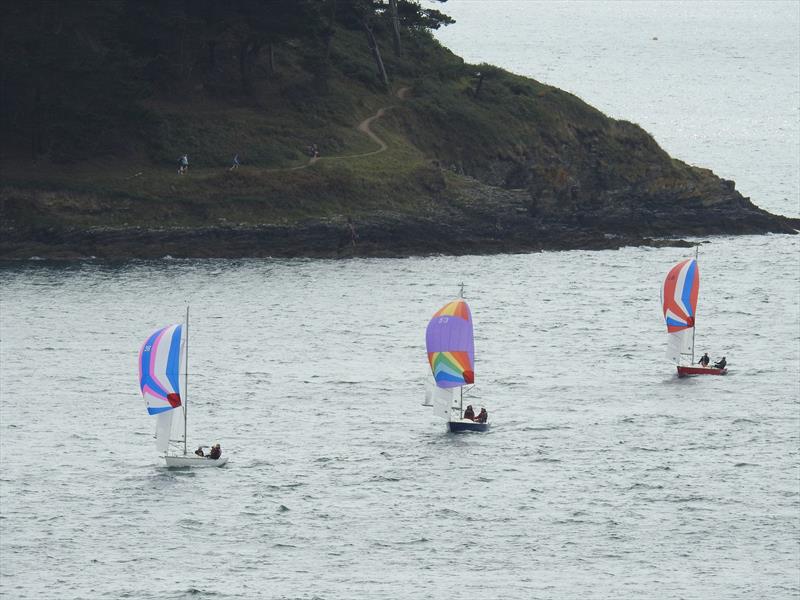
column 461, row 426
column 194, row 462
column 686, row 371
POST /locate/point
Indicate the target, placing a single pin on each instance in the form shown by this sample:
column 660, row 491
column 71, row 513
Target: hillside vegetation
column 101, row 99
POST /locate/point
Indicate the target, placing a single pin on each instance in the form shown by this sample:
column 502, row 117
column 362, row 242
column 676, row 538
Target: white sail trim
column 679, row 344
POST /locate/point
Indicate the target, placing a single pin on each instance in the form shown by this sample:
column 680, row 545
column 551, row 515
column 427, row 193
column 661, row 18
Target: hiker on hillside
column 183, row 164
column 352, row 231
column 236, row 162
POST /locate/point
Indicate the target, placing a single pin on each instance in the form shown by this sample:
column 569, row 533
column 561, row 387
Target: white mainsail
column 444, row 400
column 163, row 430
column 680, row 343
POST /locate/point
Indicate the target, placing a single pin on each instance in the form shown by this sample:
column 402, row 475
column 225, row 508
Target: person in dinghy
column 215, row 452
column 704, row 360
column 469, row 413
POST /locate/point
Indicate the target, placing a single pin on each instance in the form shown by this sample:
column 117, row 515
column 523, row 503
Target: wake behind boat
column 451, row 355
column 161, row 358
column 679, row 303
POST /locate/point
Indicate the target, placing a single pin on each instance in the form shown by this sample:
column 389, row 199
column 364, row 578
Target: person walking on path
column 183, row 164
column 236, row 162
column 352, row 231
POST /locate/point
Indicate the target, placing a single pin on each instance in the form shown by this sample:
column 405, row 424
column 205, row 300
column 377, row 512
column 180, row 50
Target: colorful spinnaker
column 679, row 304
column 162, row 358
column 159, row 369
column 451, row 347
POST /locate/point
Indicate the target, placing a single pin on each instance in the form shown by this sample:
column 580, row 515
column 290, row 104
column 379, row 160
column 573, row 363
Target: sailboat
column 679, row 302
column 451, row 355
column 161, row 357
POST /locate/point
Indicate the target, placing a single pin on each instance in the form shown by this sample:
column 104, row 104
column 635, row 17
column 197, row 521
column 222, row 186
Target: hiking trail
column 363, row 127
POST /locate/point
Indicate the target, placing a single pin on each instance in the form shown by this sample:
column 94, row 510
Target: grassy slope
column 517, row 133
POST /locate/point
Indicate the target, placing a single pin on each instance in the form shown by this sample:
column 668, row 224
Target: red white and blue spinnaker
column 679, row 305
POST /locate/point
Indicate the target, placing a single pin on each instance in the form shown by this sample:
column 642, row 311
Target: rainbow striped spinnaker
column 451, row 346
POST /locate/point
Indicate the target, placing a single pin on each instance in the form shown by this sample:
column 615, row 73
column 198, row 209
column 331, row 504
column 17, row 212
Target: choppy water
column 604, row 476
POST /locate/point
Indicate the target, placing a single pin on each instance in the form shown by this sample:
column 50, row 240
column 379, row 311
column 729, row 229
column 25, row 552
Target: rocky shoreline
column 506, row 221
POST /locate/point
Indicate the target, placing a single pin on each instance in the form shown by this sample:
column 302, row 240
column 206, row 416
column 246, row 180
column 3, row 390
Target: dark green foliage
column 88, row 78
column 71, row 87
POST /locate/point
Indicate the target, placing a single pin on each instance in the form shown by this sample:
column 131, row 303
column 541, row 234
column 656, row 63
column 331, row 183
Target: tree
column 364, row 12
column 69, row 79
column 413, row 16
column 265, row 23
column 395, row 27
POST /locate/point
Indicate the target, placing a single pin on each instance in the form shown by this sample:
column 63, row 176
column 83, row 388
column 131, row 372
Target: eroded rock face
column 476, row 218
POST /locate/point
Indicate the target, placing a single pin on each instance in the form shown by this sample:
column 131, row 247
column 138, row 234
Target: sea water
column 603, row 476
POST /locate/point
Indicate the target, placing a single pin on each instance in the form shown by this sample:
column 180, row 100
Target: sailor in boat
column 482, row 417
column 704, row 360
column 721, row 364
column 215, row 452
column 469, row 413
column 199, row 451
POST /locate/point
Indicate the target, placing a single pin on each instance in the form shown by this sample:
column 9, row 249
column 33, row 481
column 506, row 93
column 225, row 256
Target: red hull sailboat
column 686, row 371
column 679, row 302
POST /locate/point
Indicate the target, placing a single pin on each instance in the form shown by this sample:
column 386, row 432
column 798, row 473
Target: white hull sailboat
column 162, row 357
column 177, row 461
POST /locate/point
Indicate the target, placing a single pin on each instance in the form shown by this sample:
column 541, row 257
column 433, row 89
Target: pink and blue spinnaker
column 159, row 369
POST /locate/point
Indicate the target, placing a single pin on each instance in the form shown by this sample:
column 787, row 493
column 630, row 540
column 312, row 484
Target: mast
column 694, row 327
column 186, row 382
column 461, row 388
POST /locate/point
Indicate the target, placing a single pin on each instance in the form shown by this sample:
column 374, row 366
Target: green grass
column 549, row 136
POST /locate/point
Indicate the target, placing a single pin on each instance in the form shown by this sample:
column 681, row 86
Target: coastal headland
column 419, row 152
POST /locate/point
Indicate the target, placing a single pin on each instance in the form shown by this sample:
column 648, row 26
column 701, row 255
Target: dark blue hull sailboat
column 461, row 426
column 451, row 354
